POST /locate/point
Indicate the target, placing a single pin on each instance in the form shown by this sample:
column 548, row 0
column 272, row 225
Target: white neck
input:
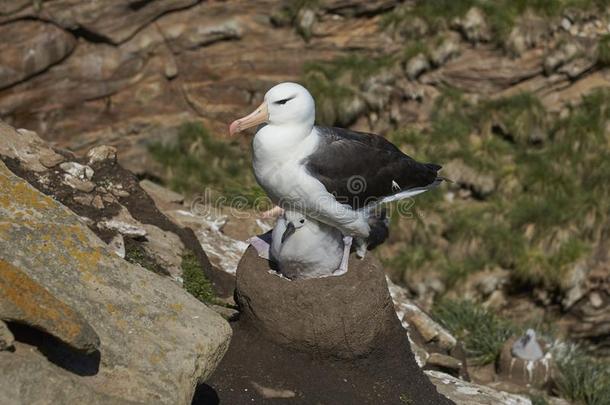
column 273, row 141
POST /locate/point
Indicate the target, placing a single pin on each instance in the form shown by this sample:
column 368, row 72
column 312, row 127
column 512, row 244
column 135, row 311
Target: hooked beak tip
column 234, row 128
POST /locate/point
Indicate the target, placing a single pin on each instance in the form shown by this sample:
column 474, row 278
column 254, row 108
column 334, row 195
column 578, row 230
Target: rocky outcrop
column 61, row 280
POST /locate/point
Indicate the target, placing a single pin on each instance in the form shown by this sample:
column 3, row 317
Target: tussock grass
column 336, row 86
column 197, row 162
column 482, row 332
column 501, row 14
column 582, row 378
column 548, row 209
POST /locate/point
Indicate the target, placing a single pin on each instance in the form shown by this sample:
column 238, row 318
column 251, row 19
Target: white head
column 294, row 221
column 284, row 104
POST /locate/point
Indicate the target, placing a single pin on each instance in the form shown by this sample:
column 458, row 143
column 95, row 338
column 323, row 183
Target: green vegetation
column 583, row 379
column 335, row 85
column 405, row 399
column 546, row 208
column 603, row 51
column 195, row 281
column 197, row 162
column 501, row 14
column 134, row 253
column 482, row 332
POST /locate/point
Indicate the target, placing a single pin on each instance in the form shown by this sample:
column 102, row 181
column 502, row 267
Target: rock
column 77, row 170
column 310, row 315
column 34, row 46
column 473, row 26
column 427, row 328
column 6, row 337
column 165, row 248
column 465, row 393
column 50, row 159
column 529, row 32
column 480, row 183
column 27, row 378
column 114, row 21
column 24, row 146
column 305, row 20
column 417, row 65
column 124, row 224
column 149, row 327
column 81, row 185
column 27, row 302
column 102, row 153
column 565, row 52
column 160, row 193
column 443, row 362
column 229, row 314
column 447, row 49
column 117, row 245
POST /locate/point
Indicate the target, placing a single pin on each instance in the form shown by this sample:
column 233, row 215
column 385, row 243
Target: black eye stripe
column 283, row 101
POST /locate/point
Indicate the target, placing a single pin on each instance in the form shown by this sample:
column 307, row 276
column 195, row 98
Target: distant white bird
column 527, row 347
column 333, row 175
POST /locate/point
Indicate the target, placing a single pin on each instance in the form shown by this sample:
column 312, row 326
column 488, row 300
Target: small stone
column 124, row 228
column 596, row 300
column 417, row 65
column 86, row 199
column 50, row 159
column 102, row 153
column 229, row 314
column 170, row 69
column 97, row 202
column 566, row 24
column 443, row 361
column 119, row 193
column 77, row 170
column 6, row 337
column 161, row 193
column 449, row 48
column 474, row 26
column 117, row 245
column 78, row 184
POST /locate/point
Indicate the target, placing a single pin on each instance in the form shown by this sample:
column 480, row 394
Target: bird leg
column 347, row 246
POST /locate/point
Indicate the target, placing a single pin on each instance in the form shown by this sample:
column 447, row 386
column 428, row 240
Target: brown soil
column 388, row 376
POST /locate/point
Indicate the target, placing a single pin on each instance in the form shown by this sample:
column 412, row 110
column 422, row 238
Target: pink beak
column 258, row 116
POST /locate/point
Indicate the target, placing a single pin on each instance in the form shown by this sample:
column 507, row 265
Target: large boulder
column 156, row 341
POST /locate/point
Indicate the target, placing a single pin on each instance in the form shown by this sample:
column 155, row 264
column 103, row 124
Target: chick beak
column 290, row 229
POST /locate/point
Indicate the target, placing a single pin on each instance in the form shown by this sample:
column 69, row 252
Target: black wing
column 359, row 168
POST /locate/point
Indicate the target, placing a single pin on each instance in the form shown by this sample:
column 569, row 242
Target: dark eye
column 283, row 101
column 302, row 221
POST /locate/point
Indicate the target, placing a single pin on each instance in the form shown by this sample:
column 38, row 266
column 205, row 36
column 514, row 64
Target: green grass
column 603, row 51
column 582, row 378
column 482, row 332
column 134, row 253
column 501, row 14
column 548, row 208
column 336, row 86
column 198, row 162
column 195, row 281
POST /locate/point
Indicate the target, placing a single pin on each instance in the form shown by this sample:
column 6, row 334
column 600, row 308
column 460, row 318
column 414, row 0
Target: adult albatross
column 334, row 175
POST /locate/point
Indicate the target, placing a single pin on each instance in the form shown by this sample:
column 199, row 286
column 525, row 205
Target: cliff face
column 513, row 101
